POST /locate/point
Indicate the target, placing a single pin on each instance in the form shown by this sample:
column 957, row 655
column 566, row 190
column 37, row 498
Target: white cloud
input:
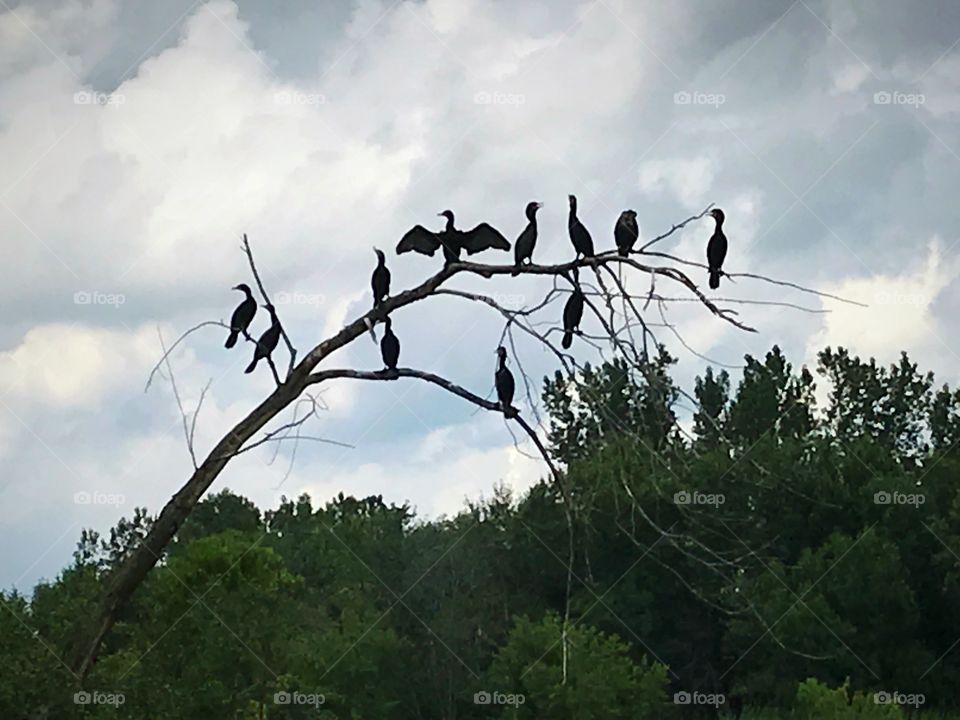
column 900, row 314
column 73, row 366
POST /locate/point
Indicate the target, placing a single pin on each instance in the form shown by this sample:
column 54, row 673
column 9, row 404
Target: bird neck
column 503, row 362
column 719, row 223
column 449, row 222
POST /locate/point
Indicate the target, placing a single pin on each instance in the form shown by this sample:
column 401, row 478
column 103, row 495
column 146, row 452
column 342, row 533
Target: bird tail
column 252, row 366
column 714, row 278
column 232, row 340
column 567, row 339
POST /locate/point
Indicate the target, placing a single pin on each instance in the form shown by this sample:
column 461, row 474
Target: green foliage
column 816, row 701
column 778, row 542
column 602, row 681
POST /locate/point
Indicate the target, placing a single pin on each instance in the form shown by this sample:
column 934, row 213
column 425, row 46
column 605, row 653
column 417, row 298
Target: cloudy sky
column 139, row 140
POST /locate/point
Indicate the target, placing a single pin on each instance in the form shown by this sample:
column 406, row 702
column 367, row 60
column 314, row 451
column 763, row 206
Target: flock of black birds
column 483, row 237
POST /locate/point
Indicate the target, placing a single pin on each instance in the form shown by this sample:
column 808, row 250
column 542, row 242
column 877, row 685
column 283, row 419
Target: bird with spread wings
column 452, row 240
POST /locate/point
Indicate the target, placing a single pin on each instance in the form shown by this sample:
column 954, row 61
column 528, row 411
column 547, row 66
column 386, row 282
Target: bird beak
column 539, row 205
column 439, row 214
column 235, row 287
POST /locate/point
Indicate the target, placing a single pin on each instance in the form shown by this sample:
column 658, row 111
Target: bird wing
column 420, row 239
column 483, row 237
column 716, row 250
column 243, row 315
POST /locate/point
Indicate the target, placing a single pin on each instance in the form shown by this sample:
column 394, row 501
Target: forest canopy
column 768, row 551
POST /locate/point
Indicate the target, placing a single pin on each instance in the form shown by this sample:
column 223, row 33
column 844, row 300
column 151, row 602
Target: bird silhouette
column 579, row 236
column 389, row 346
column 626, row 232
column 267, row 342
column 242, row 315
column 503, row 380
column 716, row 249
column 523, row 247
column 572, row 313
column 452, row 240
column 380, row 281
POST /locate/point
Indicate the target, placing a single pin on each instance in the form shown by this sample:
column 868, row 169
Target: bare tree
column 626, row 333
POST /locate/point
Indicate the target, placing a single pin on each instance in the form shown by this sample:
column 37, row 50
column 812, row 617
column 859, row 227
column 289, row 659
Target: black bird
column 268, row 341
column 242, row 316
column 716, row 249
column 626, row 232
column 572, row 313
column 380, row 282
column 523, row 247
column 426, row 242
column 389, row 346
column 582, row 242
column 503, row 379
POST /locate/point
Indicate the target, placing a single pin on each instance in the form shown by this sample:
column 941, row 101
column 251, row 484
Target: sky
column 140, row 140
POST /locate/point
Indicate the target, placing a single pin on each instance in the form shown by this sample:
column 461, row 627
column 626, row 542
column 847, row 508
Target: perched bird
column 389, row 346
column 268, row 341
column 380, row 282
column 242, row 316
column 453, row 241
column 503, row 380
column 582, row 242
column 716, row 249
column 626, row 232
column 523, row 247
column 572, row 313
